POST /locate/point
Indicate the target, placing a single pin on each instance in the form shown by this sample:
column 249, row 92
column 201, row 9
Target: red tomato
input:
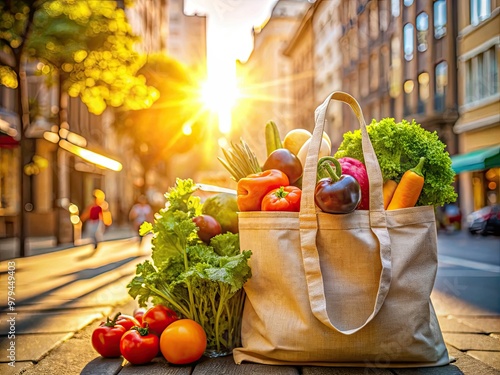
column 138, row 346
column 128, row 321
column 106, row 338
column 183, row 341
column 158, row 318
column 138, row 313
column 285, row 198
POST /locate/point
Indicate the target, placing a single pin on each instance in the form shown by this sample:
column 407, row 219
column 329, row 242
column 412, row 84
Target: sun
column 220, row 96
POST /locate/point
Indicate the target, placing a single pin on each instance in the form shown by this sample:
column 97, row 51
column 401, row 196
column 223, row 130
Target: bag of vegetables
column 345, row 286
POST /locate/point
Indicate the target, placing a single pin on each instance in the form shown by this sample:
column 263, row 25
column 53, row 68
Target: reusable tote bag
column 341, row 290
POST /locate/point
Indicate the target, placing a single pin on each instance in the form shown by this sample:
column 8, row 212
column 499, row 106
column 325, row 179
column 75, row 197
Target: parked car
column 450, row 217
column 485, row 221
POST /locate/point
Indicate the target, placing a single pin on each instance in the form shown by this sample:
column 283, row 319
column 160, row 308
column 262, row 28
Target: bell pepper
column 252, row 189
column 284, row 198
column 339, row 193
column 354, row 168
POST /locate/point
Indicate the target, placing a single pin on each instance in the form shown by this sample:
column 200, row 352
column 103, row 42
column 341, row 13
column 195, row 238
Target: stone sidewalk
column 53, row 328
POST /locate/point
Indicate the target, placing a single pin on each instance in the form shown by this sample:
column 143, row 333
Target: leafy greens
column 398, row 147
column 199, row 281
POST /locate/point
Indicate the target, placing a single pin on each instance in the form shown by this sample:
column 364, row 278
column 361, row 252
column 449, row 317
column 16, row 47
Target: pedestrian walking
column 140, row 212
column 96, row 217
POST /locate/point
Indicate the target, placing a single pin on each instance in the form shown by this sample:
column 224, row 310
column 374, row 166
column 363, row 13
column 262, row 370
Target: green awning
column 476, row 160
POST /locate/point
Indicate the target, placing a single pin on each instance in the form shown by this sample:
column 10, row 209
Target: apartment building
column 478, row 156
column 400, row 61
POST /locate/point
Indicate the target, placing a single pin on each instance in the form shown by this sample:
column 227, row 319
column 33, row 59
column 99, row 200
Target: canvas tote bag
column 341, row 290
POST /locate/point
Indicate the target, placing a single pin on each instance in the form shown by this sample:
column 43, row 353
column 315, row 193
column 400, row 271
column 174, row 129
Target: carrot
column 409, row 188
column 389, row 189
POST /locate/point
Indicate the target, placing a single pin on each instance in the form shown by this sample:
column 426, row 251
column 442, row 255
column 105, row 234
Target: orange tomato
column 183, row 341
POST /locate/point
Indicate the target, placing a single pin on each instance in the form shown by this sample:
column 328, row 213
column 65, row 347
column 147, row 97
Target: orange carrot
column 409, row 188
column 389, row 189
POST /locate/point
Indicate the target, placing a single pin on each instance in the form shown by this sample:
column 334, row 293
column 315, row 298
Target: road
column 468, row 277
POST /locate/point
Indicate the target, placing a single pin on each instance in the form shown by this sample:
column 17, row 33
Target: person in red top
column 93, row 218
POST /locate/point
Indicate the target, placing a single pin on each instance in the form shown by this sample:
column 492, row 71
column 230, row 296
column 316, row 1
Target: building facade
column 478, row 156
column 327, row 58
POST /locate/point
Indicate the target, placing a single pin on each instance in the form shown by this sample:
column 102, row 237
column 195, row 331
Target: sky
column 230, row 23
column 229, row 38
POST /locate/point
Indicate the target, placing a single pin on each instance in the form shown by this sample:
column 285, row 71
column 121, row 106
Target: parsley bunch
column 199, row 281
column 399, row 147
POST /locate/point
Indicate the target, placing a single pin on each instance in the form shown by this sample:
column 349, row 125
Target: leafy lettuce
column 398, row 147
column 199, row 281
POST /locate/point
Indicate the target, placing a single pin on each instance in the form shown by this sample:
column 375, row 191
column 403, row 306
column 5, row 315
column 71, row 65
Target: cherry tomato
column 184, row 341
column 128, row 321
column 208, row 227
column 106, row 338
column 158, row 318
column 138, row 313
column 138, row 346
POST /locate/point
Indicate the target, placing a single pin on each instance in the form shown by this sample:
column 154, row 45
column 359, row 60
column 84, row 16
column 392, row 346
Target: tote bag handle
column 309, row 221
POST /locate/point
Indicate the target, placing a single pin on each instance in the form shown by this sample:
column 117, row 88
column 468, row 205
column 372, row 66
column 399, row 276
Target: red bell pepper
column 252, row 189
column 284, row 198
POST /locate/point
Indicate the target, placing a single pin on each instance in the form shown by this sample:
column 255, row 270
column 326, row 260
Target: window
column 363, row 34
column 364, row 76
column 408, row 32
column 439, row 19
column 479, row 11
column 374, row 22
column 395, row 69
column 374, row 71
column 408, row 89
column 422, row 27
column 384, row 15
column 481, row 80
column 441, row 83
column 395, row 8
column 423, row 91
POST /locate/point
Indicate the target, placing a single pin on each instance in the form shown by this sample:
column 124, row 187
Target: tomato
column 183, row 341
column 106, row 338
column 138, row 346
column 128, row 321
column 208, row 227
column 285, row 161
column 158, row 318
column 139, row 313
column 285, row 198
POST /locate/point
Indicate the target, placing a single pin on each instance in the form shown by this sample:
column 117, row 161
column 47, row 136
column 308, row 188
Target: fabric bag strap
column 309, row 220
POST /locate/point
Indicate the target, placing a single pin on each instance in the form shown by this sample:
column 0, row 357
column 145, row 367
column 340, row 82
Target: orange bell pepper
column 252, row 189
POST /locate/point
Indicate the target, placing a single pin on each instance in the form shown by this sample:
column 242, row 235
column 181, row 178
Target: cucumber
column 273, row 139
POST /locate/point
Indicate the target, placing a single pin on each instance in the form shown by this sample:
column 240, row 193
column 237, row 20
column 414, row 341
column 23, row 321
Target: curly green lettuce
column 398, row 147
